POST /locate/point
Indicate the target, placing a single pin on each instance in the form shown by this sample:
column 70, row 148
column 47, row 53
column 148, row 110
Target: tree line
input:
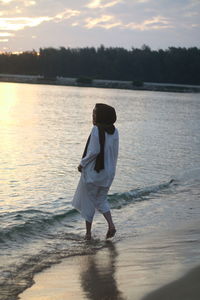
column 173, row 65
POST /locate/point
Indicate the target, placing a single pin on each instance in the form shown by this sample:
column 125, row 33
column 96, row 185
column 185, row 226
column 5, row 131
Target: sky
column 32, row 24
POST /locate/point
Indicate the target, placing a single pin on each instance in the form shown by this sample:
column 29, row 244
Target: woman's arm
column 92, row 150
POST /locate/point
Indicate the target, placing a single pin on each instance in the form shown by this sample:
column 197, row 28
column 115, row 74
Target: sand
column 132, row 269
column 185, row 288
column 100, row 83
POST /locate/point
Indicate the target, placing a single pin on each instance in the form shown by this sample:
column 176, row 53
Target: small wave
column 118, row 200
column 57, row 244
column 21, row 212
column 34, row 222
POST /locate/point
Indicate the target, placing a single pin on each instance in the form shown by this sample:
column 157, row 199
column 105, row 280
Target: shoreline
column 98, row 83
column 65, row 281
column 131, row 269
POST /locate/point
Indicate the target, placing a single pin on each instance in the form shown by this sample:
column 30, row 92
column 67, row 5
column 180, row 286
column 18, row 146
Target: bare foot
column 87, row 237
column 111, row 232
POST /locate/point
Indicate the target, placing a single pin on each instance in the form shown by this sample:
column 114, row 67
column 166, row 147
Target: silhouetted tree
column 175, row 65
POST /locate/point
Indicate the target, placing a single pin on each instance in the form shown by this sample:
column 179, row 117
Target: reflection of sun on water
column 7, row 103
column 18, row 138
column 17, row 109
column 8, row 144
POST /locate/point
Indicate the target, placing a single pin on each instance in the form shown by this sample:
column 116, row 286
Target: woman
column 97, row 168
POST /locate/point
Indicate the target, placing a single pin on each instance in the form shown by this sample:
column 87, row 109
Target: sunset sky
column 31, row 24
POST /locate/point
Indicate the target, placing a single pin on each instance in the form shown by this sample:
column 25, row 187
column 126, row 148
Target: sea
column 43, row 131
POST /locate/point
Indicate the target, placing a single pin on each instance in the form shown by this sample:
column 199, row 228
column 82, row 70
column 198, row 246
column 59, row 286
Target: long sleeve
column 93, row 148
column 116, row 148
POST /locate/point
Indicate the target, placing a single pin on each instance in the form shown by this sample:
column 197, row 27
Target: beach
column 154, row 198
column 101, row 83
column 137, row 269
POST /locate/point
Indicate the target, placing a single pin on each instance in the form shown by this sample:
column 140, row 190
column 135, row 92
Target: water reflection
column 7, row 102
column 98, row 275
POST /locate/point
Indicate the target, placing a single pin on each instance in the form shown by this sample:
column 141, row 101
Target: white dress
column 92, row 189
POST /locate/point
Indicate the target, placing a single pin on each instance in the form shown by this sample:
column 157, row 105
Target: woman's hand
column 80, row 168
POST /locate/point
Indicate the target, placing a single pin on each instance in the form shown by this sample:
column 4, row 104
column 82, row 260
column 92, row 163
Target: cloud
column 6, row 34
column 29, row 3
column 158, row 22
column 103, row 3
column 24, row 2
column 15, row 24
column 195, row 25
column 75, row 24
column 109, row 21
column 95, row 22
column 143, row 1
column 19, row 23
column 66, row 14
column 5, row 1
column 104, row 21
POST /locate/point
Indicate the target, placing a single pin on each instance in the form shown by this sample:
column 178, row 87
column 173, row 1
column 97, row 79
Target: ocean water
column 43, row 130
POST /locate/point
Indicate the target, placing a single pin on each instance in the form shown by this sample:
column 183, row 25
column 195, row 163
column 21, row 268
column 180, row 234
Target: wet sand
column 131, row 269
column 185, row 288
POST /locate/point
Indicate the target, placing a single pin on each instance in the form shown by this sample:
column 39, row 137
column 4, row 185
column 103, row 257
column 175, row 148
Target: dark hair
column 105, row 114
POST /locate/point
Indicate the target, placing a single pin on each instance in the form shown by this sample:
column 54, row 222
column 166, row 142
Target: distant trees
column 25, row 63
column 173, row 65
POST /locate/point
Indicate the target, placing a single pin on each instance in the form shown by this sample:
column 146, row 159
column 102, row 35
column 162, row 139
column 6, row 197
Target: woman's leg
column 103, row 206
column 108, row 217
column 88, row 230
column 111, row 227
